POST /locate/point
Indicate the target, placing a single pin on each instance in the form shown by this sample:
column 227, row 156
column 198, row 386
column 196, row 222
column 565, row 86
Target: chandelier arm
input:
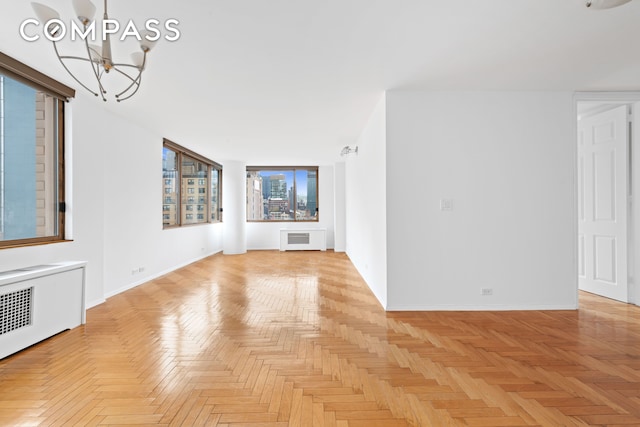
column 127, row 65
column 139, row 68
column 55, row 47
column 95, row 68
column 75, row 57
column 132, row 93
column 135, row 82
column 102, row 63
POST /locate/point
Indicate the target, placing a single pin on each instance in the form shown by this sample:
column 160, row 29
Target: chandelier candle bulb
column 85, row 10
column 48, row 15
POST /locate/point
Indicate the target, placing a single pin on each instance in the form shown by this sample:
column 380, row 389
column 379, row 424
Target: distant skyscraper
column 278, row 187
column 170, row 181
column 266, row 187
column 278, row 205
column 291, row 197
column 312, row 191
column 255, row 200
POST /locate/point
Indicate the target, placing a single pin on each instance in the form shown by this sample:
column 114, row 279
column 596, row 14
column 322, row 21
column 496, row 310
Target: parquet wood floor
column 297, row 339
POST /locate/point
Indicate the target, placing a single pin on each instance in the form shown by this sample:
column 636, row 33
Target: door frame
column 633, row 225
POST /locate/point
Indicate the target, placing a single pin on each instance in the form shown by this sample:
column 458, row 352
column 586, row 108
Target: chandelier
column 99, row 58
column 605, row 4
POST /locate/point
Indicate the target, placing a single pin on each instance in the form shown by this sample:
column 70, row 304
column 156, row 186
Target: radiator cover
column 39, row 301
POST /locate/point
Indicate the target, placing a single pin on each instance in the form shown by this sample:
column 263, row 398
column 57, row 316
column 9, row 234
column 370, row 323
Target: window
column 282, row 193
column 186, row 168
column 216, row 191
column 32, row 162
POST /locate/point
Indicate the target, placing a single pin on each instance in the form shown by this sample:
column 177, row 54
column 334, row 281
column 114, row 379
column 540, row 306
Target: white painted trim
column 95, row 303
column 626, row 98
column 634, row 250
column 509, row 307
column 574, row 202
column 613, row 97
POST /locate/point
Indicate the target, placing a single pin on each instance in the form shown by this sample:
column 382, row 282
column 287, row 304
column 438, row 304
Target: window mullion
column 295, row 197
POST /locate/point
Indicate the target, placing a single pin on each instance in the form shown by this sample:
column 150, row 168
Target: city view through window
column 282, row 194
column 191, row 188
column 30, row 165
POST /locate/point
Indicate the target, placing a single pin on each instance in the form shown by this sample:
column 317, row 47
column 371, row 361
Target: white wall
column 634, row 225
column 506, row 159
column 114, row 202
column 132, row 197
column 366, row 198
column 340, row 213
column 265, row 235
column 234, row 187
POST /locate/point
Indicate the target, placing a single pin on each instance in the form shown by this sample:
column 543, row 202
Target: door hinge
column 63, row 207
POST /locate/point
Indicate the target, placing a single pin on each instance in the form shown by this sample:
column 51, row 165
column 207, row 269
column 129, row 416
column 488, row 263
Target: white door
column 602, row 203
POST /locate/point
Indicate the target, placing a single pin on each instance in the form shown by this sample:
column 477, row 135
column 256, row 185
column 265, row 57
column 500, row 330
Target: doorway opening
column 606, row 185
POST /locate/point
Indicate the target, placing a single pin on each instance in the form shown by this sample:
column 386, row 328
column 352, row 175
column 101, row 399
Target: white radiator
column 38, row 302
column 312, row 239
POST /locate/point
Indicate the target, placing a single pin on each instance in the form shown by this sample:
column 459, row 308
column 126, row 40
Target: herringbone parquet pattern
column 297, row 339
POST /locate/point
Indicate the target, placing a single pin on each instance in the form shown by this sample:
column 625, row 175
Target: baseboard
column 156, row 275
column 497, row 307
column 94, row 303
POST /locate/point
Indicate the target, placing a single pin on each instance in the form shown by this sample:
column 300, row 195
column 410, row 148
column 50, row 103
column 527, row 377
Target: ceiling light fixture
column 605, row 4
column 348, row 150
column 99, row 57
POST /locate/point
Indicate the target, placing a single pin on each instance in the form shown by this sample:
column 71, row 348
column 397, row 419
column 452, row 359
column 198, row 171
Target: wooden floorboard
column 297, row 339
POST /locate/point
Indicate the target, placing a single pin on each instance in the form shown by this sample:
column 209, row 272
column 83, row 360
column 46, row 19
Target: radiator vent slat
column 16, row 310
column 298, row 238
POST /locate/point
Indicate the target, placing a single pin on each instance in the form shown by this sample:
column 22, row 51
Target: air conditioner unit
column 313, row 239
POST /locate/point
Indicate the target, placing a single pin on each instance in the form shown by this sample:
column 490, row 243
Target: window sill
column 26, row 245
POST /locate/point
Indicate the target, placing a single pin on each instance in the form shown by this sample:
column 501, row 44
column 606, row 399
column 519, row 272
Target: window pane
column 282, row 195
column 171, row 189
column 29, row 164
column 198, row 197
column 306, row 195
column 279, row 195
column 256, row 200
column 195, row 180
column 215, row 195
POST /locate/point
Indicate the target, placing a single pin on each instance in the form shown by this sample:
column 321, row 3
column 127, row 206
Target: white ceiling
column 292, row 81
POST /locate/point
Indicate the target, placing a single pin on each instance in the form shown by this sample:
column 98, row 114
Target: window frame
column 28, row 76
column 293, row 169
column 180, row 205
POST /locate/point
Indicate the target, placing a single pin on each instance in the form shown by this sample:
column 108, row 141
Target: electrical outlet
column 141, row 269
column 446, row 204
column 134, row 271
column 486, row 291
